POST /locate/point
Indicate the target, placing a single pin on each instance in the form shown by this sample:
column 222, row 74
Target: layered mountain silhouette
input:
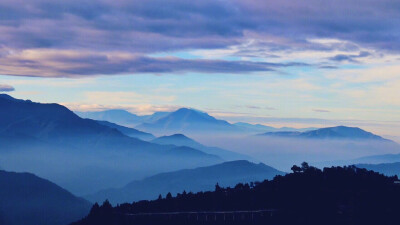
column 122, row 117
column 182, row 140
column 339, row 132
column 191, row 180
column 82, row 154
column 131, row 132
column 186, row 121
column 26, row 199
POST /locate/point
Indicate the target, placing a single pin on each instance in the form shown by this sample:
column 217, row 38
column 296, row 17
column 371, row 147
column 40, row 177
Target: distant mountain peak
column 190, row 112
column 176, row 136
column 187, row 121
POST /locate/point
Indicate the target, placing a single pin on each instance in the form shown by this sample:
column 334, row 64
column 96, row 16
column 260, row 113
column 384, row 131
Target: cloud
column 6, row 88
column 252, row 107
column 350, row 58
column 328, row 67
column 321, row 110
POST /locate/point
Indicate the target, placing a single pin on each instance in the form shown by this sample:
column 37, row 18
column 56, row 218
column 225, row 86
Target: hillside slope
column 26, row 199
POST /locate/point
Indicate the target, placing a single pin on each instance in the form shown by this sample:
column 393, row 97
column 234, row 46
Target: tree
column 95, row 209
column 304, row 166
column 106, row 207
column 296, row 169
column 169, row 196
column 217, row 188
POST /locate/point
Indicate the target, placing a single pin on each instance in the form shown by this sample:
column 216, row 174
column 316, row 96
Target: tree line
column 308, row 195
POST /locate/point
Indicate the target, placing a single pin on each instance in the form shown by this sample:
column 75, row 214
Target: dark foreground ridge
column 337, row 195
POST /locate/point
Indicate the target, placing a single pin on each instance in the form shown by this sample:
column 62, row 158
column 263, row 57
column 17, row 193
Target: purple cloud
column 76, row 64
column 6, row 88
column 350, row 58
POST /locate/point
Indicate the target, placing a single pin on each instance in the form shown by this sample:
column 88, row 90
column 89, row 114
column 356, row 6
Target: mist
column 282, row 153
column 85, row 172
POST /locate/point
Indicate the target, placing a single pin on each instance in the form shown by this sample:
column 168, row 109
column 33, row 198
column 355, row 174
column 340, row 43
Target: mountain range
column 131, row 132
column 184, row 120
column 26, row 199
column 82, row 154
column 86, row 155
column 191, row 180
column 339, row 132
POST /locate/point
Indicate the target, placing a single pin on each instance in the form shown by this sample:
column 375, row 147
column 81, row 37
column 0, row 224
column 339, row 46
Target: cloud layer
column 108, row 37
column 68, row 63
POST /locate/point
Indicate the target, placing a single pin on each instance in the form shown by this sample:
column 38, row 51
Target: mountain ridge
column 182, row 140
column 131, row 132
column 338, row 132
column 198, row 179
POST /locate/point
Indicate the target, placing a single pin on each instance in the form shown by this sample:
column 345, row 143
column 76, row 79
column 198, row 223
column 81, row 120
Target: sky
column 303, row 63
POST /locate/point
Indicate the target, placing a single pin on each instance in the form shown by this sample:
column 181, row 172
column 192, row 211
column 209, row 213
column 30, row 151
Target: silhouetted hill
column 186, row 120
column 131, row 132
column 182, row 140
column 26, row 199
column 309, row 196
column 56, row 124
column 200, row 179
column 339, row 132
